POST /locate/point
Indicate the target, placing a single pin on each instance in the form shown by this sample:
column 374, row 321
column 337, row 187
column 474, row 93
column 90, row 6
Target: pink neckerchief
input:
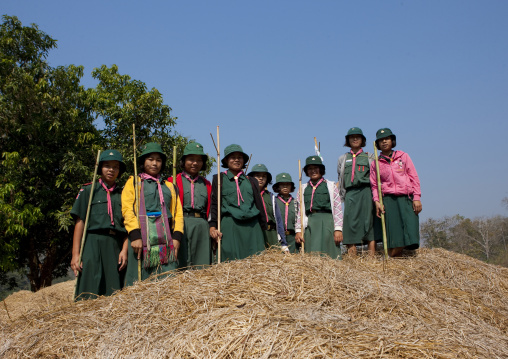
column 108, row 191
column 192, row 181
column 354, row 162
column 146, row 176
column 286, row 211
column 314, row 190
column 266, row 214
column 238, row 193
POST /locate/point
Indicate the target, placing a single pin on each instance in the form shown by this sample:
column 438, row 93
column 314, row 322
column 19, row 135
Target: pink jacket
column 398, row 177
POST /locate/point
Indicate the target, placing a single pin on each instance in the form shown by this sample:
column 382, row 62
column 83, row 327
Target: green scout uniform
column 270, row 235
column 359, row 211
column 242, row 235
column 290, row 229
column 152, row 204
column 320, row 228
column 195, row 249
column 103, row 242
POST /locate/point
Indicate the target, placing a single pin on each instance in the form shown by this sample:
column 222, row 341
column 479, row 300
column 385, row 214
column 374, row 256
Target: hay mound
column 438, row 304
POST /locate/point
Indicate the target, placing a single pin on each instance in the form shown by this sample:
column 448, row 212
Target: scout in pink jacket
column 401, row 194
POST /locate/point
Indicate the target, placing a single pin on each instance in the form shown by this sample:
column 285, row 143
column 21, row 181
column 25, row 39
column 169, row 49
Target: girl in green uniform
column 275, row 234
column 322, row 219
column 287, row 205
column 400, row 187
column 105, row 250
column 353, row 170
column 194, row 192
column 155, row 237
column 242, row 215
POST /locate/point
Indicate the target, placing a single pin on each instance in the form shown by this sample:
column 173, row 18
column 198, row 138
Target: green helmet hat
column 194, row 148
column 283, row 177
column 111, row 155
column 231, row 149
column 261, row 168
column 313, row 160
column 384, row 132
column 354, row 131
column 151, row 147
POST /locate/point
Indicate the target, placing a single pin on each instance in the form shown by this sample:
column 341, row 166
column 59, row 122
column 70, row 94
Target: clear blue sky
column 275, row 74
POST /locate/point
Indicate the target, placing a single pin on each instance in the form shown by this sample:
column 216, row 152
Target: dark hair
column 182, row 163
column 394, row 142
column 321, row 170
column 276, row 187
column 364, row 141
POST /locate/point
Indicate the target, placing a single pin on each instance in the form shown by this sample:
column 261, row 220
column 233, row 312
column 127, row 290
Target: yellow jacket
column 129, row 207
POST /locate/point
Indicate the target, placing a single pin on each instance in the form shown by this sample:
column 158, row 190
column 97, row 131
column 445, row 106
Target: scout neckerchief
column 155, row 230
column 266, row 214
column 354, row 162
column 238, row 193
column 388, row 158
column 314, row 190
column 192, row 181
column 108, row 191
column 286, row 211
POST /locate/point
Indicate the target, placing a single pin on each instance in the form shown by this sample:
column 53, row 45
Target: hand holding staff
column 136, row 190
column 83, row 238
column 302, row 207
column 380, row 194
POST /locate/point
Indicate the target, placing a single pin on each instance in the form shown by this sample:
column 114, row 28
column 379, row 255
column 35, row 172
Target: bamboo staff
column 302, row 205
column 248, row 162
column 380, row 195
column 217, row 148
column 83, row 238
column 136, row 188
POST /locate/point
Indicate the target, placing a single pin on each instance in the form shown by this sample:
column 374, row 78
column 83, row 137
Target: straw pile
column 438, row 304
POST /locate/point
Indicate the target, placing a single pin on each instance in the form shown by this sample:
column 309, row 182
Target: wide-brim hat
column 355, row 131
column 261, row 168
column 283, row 177
column 151, row 147
column 194, row 148
column 385, row 132
column 313, row 160
column 111, row 155
column 231, row 149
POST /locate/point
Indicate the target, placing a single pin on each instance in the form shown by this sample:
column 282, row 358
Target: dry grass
column 436, row 305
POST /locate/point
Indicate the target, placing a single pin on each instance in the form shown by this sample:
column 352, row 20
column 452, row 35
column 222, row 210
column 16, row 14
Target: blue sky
column 275, row 74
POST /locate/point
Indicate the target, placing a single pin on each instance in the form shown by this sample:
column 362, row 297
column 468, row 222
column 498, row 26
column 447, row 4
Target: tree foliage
column 51, row 129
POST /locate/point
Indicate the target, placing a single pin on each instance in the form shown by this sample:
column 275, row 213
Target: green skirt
column 131, row 274
column 240, row 239
column 359, row 214
column 290, row 238
column 402, row 224
column 319, row 236
column 271, row 238
column 100, row 274
column 195, row 249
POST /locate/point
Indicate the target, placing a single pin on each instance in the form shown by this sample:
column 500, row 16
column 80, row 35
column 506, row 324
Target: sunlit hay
column 437, row 304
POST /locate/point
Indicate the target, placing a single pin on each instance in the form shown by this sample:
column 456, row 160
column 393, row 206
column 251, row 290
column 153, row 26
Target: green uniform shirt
column 321, row 198
column 229, row 199
column 269, row 206
column 99, row 217
column 362, row 173
column 291, row 212
column 152, row 199
column 200, row 196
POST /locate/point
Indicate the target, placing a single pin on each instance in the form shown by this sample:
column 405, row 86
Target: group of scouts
column 173, row 223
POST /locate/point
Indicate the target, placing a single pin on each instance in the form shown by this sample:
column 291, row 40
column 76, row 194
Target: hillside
column 438, row 304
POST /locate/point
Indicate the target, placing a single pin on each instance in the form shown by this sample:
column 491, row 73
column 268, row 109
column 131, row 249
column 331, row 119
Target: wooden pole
column 302, row 205
column 248, row 163
column 136, row 188
column 83, row 238
column 380, row 194
column 218, row 195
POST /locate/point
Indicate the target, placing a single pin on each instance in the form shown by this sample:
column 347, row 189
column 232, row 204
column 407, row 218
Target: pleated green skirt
column 402, row 224
column 359, row 216
column 195, row 249
column 240, row 239
column 319, row 236
column 271, row 238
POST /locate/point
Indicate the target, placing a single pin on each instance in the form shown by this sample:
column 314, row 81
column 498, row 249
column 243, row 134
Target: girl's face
column 262, row 178
column 355, row 141
column 153, row 164
column 285, row 188
column 193, row 164
column 110, row 171
column 314, row 173
column 235, row 161
column 385, row 144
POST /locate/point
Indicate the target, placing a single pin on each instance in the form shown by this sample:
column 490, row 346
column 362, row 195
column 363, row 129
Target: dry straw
column 435, row 305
